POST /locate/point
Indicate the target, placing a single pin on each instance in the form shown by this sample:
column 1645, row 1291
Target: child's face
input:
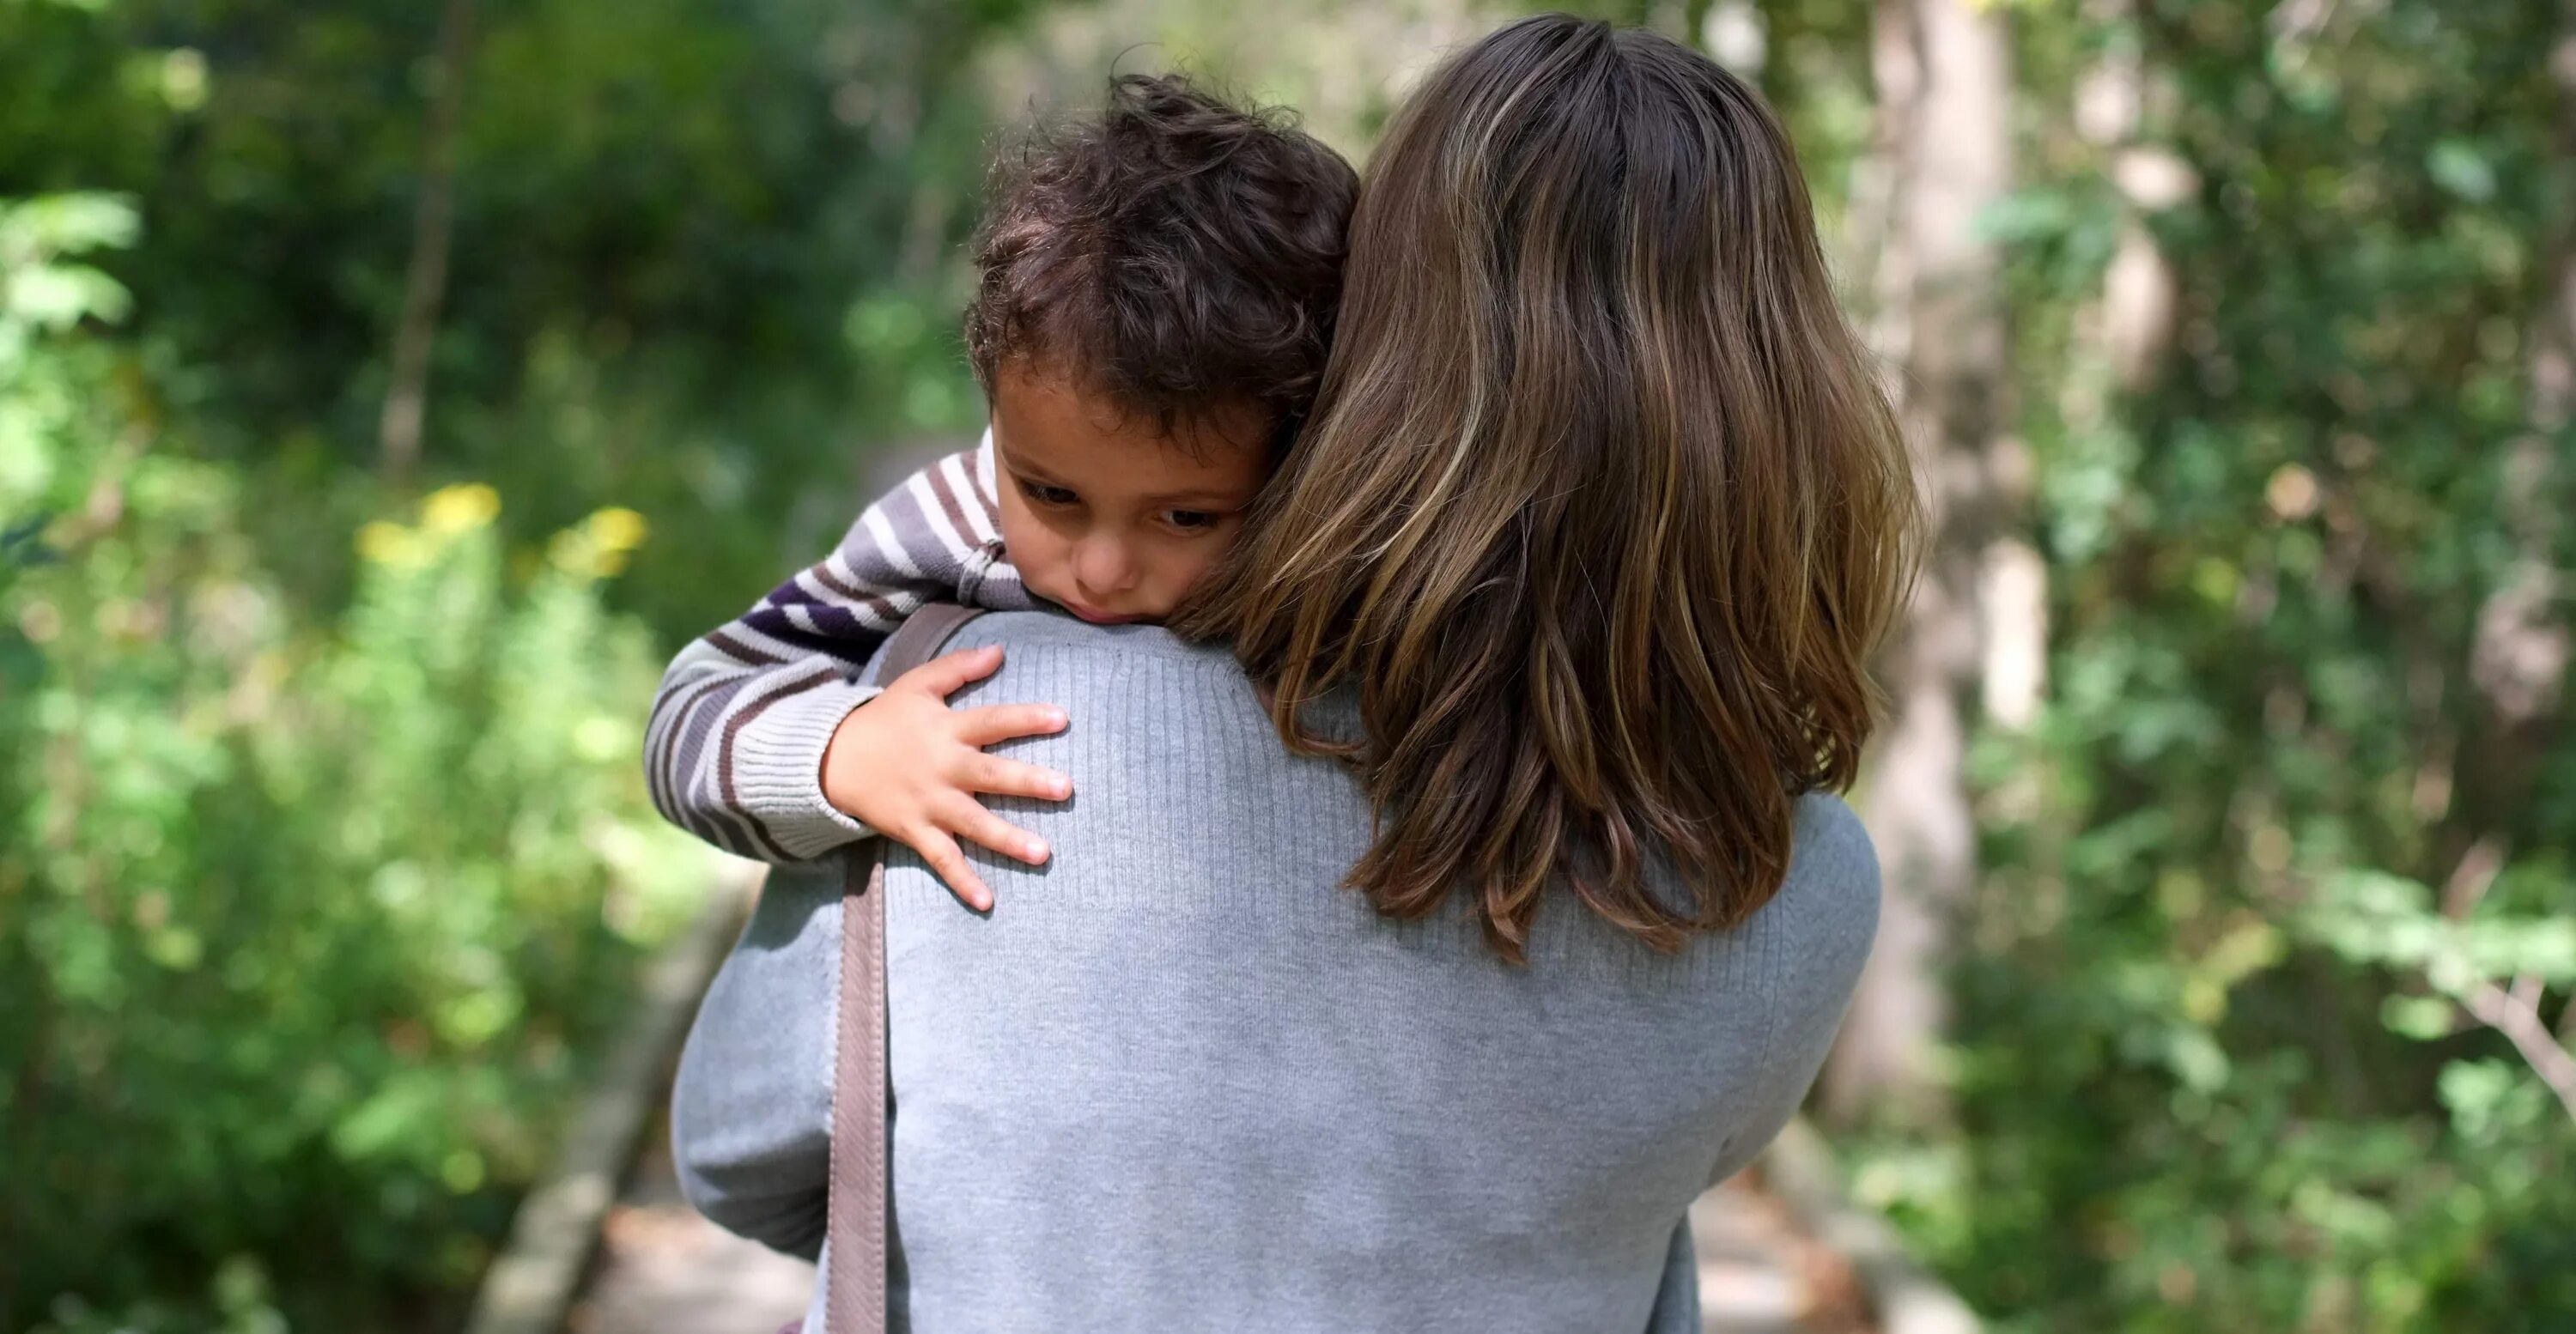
column 1103, row 515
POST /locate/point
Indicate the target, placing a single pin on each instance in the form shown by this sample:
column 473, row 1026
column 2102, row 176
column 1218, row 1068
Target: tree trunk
column 2129, row 329
column 1953, row 158
column 1881, row 274
column 2522, row 644
column 2553, row 366
column 425, row 285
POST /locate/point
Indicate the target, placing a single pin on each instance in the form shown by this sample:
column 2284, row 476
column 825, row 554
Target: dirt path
column 665, row 1270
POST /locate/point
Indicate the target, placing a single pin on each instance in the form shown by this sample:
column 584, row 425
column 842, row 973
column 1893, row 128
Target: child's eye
column 1044, row 494
column 1190, row 521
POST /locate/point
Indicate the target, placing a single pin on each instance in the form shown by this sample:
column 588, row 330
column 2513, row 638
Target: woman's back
column 1182, row 1079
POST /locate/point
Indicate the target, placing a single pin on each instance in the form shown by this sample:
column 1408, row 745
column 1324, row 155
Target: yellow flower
column 456, row 509
column 618, row 528
column 382, row 543
column 597, row 547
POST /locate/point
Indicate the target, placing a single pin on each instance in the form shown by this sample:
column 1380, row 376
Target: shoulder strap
column 854, row 1298
column 921, row 636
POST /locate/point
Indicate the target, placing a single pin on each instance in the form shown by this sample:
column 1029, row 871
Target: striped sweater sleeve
column 733, row 752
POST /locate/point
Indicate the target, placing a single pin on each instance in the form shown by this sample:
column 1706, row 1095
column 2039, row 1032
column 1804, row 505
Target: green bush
column 303, row 927
column 2288, row 819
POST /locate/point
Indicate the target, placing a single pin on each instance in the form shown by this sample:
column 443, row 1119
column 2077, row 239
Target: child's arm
column 734, row 752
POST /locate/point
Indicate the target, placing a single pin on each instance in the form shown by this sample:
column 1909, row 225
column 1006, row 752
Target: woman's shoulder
column 1826, row 913
column 1127, row 679
column 1054, row 634
column 1832, row 848
column 1809, row 937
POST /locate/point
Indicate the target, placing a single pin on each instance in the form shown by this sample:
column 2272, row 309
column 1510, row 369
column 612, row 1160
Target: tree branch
column 425, row 286
column 2519, row 1020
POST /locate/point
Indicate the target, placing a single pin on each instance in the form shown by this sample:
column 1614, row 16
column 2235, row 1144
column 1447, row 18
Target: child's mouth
column 1099, row 617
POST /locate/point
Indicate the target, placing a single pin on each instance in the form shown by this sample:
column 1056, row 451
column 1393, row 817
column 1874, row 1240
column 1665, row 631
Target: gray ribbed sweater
column 1180, row 1080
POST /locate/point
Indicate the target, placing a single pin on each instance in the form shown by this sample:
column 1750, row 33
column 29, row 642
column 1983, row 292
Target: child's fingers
column 1010, row 778
column 946, row 675
column 1001, row 722
column 969, row 820
column 946, row 859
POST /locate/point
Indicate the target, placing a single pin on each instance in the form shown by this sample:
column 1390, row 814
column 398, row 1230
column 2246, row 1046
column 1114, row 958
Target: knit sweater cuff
column 778, row 769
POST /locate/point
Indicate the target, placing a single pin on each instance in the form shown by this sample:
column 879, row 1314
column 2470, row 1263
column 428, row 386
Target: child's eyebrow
column 1028, row 470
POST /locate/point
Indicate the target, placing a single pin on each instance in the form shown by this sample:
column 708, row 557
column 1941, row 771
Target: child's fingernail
column 1037, row 850
column 1060, row 787
column 1055, row 718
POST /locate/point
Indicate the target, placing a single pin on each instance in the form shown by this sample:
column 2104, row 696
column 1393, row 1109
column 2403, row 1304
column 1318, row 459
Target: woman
column 1575, row 567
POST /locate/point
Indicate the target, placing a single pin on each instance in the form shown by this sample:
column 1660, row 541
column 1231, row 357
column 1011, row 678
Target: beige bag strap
column 854, row 1299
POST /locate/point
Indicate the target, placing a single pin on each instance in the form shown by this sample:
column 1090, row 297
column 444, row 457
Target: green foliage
column 650, row 200
column 305, row 925
column 2216, row 1066
column 324, row 855
column 322, row 858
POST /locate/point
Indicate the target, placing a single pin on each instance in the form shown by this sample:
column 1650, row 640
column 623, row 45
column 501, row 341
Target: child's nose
column 1102, row 565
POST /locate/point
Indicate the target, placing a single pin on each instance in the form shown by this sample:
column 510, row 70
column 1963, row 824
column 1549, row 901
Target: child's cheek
column 1036, row 552
column 1203, row 558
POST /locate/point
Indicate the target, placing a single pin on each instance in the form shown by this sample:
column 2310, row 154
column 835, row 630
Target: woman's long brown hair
column 1601, row 507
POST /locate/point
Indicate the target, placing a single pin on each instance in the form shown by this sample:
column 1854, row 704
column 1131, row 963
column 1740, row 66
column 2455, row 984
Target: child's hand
column 910, row 768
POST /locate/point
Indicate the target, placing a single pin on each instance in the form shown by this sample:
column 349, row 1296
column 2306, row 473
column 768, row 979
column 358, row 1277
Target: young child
column 1158, row 291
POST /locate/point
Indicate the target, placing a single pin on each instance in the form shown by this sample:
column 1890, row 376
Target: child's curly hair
column 1178, row 255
